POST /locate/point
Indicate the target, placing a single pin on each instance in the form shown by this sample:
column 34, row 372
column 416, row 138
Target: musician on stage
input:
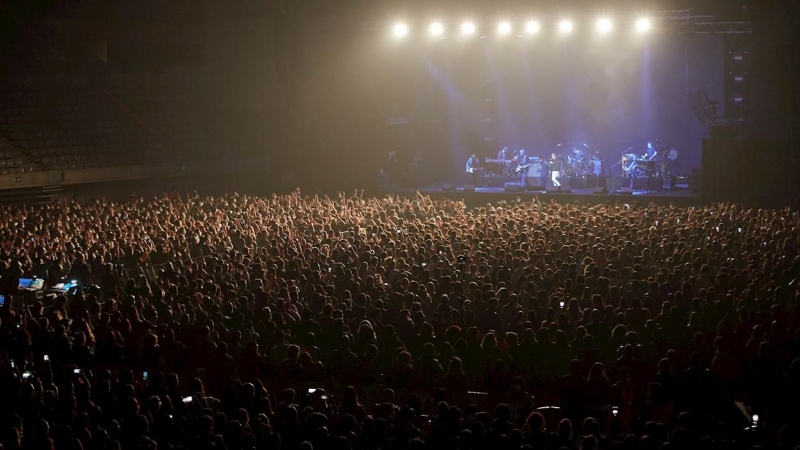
column 472, row 168
column 522, row 161
column 555, row 169
column 651, row 151
column 502, row 155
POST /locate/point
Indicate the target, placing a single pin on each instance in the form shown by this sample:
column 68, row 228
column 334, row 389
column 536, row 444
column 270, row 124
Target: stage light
column 436, row 28
column 565, row 26
column 532, row 27
column 400, row 30
column 643, row 25
column 504, row 28
column 467, row 28
column 604, row 25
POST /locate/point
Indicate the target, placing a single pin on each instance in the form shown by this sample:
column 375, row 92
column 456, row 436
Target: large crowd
column 297, row 322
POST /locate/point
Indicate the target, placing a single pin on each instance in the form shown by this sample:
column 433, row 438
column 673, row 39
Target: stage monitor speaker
column 626, row 190
column 469, row 187
column 600, row 190
column 512, row 187
column 448, row 188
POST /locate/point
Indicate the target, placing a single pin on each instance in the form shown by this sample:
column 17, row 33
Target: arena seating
column 75, row 127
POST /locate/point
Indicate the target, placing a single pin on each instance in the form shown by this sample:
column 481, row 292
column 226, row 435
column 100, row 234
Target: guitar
column 520, row 168
column 472, row 170
column 647, row 157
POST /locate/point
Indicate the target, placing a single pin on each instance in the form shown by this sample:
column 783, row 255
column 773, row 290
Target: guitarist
column 522, row 165
column 472, row 169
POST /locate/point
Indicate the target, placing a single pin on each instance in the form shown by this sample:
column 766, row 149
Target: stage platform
column 680, row 196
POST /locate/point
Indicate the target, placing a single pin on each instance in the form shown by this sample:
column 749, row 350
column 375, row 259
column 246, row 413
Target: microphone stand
column 620, row 162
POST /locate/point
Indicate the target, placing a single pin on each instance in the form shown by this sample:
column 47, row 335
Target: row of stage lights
column 531, row 27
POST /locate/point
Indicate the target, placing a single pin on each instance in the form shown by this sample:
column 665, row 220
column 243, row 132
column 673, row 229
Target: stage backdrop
column 610, row 94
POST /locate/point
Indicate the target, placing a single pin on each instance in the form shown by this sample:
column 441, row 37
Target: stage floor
column 681, row 195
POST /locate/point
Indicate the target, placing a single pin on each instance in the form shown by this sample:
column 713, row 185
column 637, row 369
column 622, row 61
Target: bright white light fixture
column 504, row 28
column 643, row 25
column 565, row 26
column 532, row 27
column 604, row 25
column 400, row 30
column 467, row 28
column 436, row 28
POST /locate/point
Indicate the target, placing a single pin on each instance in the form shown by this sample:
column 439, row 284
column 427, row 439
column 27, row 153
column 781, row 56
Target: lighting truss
column 681, row 22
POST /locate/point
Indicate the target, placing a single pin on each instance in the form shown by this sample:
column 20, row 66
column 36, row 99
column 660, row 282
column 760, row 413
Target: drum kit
column 580, row 164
